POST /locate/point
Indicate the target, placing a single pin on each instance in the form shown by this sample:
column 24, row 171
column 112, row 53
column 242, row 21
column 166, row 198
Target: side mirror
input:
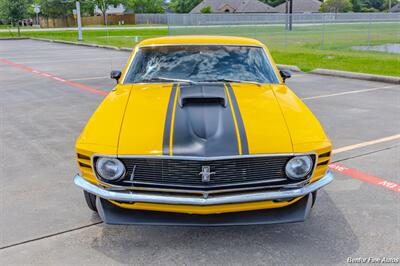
column 285, row 74
column 115, row 74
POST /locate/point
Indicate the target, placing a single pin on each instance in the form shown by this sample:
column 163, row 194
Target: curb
column 290, row 67
column 355, row 75
column 83, row 44
column 14, row 38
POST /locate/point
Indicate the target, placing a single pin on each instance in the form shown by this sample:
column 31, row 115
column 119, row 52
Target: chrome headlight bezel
column 101, row 162
column 307, row 163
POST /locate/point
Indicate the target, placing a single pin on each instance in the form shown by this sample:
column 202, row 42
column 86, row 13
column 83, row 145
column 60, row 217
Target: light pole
column 78, row 14
column 290, row 14
column 287, row 15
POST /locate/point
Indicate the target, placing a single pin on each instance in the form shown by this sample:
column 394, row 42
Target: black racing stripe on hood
column 239, row 120
column 203, row 122
column 168, row 118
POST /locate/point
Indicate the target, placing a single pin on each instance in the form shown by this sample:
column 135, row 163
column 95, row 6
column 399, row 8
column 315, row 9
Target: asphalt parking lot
column 47, row 93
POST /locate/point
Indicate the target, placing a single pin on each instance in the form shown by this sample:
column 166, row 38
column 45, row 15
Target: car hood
column 203, row 121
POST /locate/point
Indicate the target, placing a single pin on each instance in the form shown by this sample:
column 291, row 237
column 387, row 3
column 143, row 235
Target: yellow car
column 202, row 130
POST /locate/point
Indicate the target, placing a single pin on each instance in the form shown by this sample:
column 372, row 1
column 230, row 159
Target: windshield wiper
column 232, row 80
column 167, row 79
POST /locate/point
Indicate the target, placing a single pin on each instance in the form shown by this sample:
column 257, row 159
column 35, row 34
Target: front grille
column 185, row 174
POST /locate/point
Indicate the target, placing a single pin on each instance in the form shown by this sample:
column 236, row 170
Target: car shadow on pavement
column 325, row 238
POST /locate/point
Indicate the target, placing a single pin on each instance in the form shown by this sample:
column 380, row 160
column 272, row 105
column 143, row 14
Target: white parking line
column 349, row 92
column 29, row 55
column 90, row 78
column 364, row 144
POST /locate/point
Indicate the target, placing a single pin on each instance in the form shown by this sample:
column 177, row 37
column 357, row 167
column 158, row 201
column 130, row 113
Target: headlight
column 298, row 167
column 110, row 169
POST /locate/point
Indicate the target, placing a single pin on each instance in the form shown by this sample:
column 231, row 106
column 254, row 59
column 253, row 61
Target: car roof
column 200, row 39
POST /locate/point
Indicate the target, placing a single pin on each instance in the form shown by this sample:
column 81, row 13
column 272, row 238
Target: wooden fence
column 86, row 21
column 56, row 22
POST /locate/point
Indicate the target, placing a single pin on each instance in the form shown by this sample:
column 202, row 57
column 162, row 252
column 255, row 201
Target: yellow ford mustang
column 202, row 130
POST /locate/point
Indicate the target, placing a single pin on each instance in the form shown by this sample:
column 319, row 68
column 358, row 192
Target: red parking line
column 50, row 76
column 364, row 177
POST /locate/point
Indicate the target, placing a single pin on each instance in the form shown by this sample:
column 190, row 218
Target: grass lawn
column 309, row 47
column 5, row 27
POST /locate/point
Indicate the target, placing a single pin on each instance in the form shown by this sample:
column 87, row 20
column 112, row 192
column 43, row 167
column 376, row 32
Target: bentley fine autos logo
column 206, row 173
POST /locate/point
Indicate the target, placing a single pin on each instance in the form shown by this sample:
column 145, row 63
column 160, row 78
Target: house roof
column 301, row 6
column 239, row 6
column 395, row 8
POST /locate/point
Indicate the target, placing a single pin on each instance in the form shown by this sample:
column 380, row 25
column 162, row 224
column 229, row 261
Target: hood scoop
column 204, row 123
column 199, row 94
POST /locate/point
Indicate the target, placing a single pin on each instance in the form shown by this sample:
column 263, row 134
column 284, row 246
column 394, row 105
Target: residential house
column 301, row 6
column 395, row 8
column 111, row 10
column 234, row 6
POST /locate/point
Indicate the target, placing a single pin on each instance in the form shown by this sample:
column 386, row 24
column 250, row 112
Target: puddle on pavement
column 392, row 48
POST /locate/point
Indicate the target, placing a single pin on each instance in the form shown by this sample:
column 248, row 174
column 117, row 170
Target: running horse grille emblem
column 206, row 173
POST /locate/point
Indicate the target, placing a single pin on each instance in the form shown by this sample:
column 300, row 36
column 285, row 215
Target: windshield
column 201, row 63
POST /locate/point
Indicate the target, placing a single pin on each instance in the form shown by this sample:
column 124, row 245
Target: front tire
column 90, row 200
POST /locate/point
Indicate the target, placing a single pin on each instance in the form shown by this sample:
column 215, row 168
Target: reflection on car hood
column 203, row 120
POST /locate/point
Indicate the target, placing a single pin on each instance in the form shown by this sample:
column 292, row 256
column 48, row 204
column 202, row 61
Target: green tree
column 357, row 5
column 336, row 6
column 146, row 6
column 369, row 9
column 377, row 4
column 14, row 11
column 56, row 9
column 30, row 10
column 206, row 10
column 87, row 8
column 183, row 6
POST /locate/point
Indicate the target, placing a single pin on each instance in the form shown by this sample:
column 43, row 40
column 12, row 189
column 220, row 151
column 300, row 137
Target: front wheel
column 90, row 200
column 314, row 198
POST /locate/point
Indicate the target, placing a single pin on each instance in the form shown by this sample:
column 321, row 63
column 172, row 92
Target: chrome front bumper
column 140, row 196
